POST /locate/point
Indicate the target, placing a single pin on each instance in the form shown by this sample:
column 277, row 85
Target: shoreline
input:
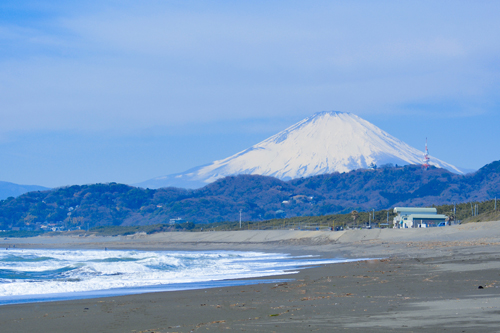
column 348, row 242
column 429, row 282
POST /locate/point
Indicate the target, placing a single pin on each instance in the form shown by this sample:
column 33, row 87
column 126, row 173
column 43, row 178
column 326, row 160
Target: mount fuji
column 325, row 142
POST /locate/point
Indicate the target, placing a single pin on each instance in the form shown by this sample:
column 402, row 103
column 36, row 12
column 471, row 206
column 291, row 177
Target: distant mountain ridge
column 259, row 197
column 324, row 143
column 13, row 190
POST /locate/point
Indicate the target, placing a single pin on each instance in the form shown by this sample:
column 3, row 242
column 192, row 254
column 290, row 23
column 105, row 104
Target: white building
column 412, row 217
column 177, row 220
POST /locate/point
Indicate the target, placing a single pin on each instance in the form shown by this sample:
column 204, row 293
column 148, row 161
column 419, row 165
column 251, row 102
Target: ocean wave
column 68, row 271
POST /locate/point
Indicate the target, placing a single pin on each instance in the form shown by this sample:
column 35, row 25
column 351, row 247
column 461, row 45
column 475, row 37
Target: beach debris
column 209, row 323
column 237, row 305
column 280, row 285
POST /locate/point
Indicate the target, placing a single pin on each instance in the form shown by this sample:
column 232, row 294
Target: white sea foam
column 37, row 272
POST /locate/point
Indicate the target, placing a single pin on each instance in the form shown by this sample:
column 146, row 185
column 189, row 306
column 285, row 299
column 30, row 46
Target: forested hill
column 258, row 197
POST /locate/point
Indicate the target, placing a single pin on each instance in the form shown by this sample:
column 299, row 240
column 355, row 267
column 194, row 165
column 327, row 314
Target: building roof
column 415, row 210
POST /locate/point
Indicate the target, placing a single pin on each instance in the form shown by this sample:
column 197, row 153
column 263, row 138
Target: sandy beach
column 432, row 280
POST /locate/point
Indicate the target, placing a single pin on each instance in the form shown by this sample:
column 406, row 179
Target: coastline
column 428, row 281
column 349, row 243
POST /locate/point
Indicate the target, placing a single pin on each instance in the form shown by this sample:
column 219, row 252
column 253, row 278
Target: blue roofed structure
column 414, row 217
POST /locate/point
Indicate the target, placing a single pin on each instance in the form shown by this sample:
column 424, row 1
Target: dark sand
column 427, row 283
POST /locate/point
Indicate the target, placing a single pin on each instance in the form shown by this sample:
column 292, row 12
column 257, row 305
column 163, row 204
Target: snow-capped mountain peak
column 325, row 142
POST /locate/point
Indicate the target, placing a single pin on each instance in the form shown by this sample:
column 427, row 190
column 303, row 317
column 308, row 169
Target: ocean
column 49, row 275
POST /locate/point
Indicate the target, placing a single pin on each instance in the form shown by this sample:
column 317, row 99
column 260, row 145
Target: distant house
column 177, row 220
column 280, row 213
column 299, row 197
column 413, row 217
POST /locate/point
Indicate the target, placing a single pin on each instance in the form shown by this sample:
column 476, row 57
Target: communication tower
column 426, row 157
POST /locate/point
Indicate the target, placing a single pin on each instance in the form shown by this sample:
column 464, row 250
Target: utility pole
column 240, row 218
column 495, row 204
column 455, row 212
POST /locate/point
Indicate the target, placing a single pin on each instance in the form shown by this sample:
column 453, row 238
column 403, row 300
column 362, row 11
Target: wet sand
column 428, row 280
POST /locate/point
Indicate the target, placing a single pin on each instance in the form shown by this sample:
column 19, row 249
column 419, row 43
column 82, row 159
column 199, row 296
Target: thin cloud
column 125, row 67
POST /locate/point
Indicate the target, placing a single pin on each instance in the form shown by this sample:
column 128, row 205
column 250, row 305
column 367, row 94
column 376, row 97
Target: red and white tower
column 426, row 156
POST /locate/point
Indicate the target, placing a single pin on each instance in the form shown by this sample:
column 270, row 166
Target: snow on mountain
column 326, row 142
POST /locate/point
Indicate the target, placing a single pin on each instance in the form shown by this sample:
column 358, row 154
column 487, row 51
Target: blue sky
column 124, row 91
